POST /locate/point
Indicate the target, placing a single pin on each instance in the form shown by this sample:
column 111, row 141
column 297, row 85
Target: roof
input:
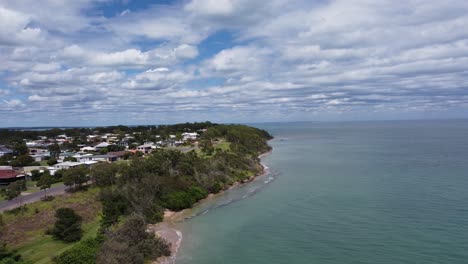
column 68, row 163
column 102, row 145
column 116, row 153
column 9, row 174
column 5, row 150
column 105, row 156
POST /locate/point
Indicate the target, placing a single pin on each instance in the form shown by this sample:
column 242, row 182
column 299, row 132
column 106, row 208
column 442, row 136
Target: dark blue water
column 363, row 192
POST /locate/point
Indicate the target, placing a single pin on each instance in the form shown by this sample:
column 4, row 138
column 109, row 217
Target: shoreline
column 166, row 228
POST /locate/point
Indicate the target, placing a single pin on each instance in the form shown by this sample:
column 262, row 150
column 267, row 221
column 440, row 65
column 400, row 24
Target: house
column 64, row 155
column 189, row 136
column 40, row 157
column 119, row 154
column 37, row 151
column 83, row 157
column 5, row 151
column 102, row 145
column 67, row 165
column 105, row 157
column 88, row 148
column 145, row 148
column 8, row 176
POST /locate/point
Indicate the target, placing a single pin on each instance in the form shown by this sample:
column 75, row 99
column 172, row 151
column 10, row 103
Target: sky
column 109, row 62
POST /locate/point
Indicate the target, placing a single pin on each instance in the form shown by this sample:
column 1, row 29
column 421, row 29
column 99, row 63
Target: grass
column 31, row 185
column 223, row 145
column 44, row 163
column 43, row 248
column 26, row 230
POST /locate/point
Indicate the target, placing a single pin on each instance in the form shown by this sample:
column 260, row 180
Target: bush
column 84, row 253
column 67, row 226
column 181, row 200
column 132, row 244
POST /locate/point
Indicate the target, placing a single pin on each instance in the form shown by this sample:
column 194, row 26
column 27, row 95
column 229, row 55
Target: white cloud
column 272, row 59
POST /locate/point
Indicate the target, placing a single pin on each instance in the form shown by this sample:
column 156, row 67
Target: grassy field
column 43, row 248
column 25, row 231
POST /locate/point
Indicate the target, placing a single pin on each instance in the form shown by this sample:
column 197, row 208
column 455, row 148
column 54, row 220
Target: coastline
column 167, row 230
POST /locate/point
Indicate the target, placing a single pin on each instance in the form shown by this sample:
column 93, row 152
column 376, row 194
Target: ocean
column 350, row 192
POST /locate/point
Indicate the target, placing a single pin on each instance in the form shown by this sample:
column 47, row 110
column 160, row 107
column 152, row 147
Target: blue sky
column 104, row 62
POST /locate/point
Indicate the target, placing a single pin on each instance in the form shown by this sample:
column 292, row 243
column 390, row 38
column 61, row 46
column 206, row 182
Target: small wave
column 256, row 188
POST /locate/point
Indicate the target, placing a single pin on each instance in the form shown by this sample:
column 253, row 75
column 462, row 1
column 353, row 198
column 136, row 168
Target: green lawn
column 43, row 248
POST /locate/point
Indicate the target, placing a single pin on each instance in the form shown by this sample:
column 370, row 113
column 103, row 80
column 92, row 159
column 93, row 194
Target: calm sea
column 355, row 192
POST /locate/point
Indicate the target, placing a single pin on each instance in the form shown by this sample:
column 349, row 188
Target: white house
column 87, row 149
column 66, row 165
column 145, row 148
column 189, row 136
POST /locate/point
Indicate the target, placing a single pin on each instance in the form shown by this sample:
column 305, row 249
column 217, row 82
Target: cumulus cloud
column 234, row 60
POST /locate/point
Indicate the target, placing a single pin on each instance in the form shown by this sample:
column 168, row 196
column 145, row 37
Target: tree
column 52, row 161
column 70, row 159
column 21, row 149
column 45, row 182
column 132, row 244
column 104, row 174
column 76, row 177
column 67, row 227
column 14, row 190
column 54, row 150
column 35, row 175
column 22, row 160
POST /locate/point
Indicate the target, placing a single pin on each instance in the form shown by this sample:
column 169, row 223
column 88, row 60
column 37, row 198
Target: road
column 31, row 198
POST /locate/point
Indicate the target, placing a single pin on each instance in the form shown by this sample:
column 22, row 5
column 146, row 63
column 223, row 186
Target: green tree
column 21, row 149
column 104, row 174
column 52, row 161
column 54, row 150
column 35, row 175
column 67, row 227
column 76, row 177
column 22, row 160
column 73, row 159
column 45, row 182
column 14, row 190
column 132, row 244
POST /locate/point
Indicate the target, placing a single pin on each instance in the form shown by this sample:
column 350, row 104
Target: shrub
column 84, row 253
column 67, row 226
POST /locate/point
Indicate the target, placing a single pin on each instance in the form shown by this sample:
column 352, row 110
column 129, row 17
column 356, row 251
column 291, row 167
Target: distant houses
column 68, row 151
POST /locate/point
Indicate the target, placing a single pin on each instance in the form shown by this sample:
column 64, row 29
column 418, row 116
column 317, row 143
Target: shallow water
column 355, row 192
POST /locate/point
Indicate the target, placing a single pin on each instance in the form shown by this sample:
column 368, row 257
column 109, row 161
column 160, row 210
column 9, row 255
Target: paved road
column 31, row 198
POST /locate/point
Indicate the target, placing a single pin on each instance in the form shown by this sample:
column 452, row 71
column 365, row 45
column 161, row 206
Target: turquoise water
column 363, row 192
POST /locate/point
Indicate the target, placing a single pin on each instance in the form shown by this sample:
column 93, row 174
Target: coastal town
column 21, row 160
column 89, row 193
